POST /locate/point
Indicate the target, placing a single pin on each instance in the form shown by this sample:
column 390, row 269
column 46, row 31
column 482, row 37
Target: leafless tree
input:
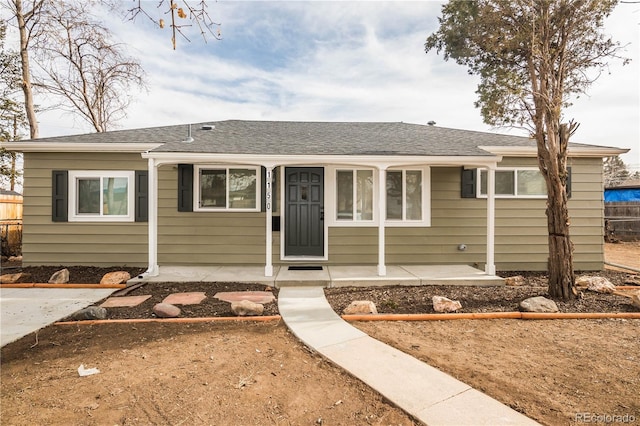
column 66, row 52
column 79, row 63
column 27, row 18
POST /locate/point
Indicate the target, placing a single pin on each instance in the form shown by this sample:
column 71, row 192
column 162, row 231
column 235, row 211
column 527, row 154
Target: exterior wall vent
column 208, row 127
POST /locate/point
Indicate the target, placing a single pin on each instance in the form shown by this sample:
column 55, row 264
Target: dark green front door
column 304, row 216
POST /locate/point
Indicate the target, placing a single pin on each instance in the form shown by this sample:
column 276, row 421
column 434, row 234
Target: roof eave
column 581, row 151
column 79, row 147
column 161, row 158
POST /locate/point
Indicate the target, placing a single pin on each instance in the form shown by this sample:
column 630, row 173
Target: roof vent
column 189, row 139
column 208, row 127
column 431, row 123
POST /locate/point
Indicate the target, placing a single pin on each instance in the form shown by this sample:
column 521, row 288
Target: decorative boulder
column 166, row 310
column 538, row 304
column 442, row 304
column 597, row 284
column 10, row 278
column 60, row 277
column 90, row 313
column 117, row 277
column 516, row 280
column 246, row 308
column 360, row 307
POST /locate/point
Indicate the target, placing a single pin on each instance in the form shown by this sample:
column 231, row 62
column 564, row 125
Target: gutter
column 79, row 147
column 575, row 151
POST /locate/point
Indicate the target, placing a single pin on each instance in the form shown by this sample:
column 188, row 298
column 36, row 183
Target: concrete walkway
column 424, row 392
column 25, row 310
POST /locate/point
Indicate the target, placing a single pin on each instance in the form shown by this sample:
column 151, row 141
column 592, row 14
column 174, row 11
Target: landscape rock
column 597, row 284
column 60, row 277
column 90, row 313
column 635, row 299
column 538, row 304
column 10, row 278
column 360, row 307
column 252, row 296
column 117, row 277
column 166, row 310
column 245, row 308
column 516, row 280
column 15, row 259
column 442, row 304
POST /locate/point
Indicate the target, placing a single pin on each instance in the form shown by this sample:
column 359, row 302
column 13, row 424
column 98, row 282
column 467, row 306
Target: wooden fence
column 622, row 220
column 10, row 224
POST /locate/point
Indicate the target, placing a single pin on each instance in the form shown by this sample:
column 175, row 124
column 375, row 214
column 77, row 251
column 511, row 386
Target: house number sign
column 269, row 188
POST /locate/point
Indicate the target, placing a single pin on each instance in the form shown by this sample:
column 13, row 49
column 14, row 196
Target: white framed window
column 524, row 182
column 101, row 195
column 407, row 192
column 354, row 195
column 227, row 188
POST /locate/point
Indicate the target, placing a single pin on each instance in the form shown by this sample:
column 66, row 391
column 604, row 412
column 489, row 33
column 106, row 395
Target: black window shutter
column 142, row 196
column 185, row 187
column 60, row 196
column 568, row 182
column 468, row 186
column 263, row 190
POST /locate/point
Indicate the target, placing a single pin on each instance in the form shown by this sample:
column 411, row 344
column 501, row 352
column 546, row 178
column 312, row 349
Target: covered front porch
column 330, row 276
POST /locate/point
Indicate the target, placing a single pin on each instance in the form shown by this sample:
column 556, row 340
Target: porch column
column 382, row 214
column 268, row 267
column 490, row 267
column 152, row 195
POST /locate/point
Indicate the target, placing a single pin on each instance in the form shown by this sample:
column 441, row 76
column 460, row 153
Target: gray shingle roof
column 308, row 138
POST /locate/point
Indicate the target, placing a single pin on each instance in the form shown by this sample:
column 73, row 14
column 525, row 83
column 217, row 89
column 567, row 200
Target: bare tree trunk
column 26, row 71
column 561, row 274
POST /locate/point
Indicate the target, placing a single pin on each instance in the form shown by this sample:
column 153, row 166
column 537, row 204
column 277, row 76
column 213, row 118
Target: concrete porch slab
column 367, row 275
column 183, row 273
column 452, row 274
column 329, row 276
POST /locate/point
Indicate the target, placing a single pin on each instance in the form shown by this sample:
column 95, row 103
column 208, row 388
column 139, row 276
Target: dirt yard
column 556, row 371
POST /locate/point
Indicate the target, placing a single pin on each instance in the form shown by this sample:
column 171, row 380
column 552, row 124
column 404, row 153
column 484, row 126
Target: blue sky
column 340, row 61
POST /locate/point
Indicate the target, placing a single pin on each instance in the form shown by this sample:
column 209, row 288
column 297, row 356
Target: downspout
column 153, row 269
column 490, row 267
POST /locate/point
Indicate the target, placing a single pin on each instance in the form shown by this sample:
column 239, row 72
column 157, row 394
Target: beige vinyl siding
column 521, row 224
column 74, row 243
column 357, row 245
column 205, row 238
column 454, row 221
